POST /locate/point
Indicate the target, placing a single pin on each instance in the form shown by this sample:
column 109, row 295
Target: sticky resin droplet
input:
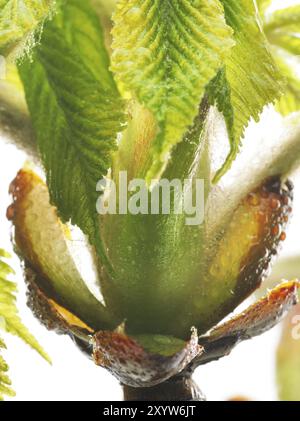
column 10, row 213
column 274, row 203
column 275, row 231
column 282, row 236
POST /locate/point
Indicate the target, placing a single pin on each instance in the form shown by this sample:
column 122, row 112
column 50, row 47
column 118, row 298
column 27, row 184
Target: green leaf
column 251, row 79
column 219, row 92
column 19, row 19
column 165, row 53
column 11, row 321
column 263, row 5
column 283, row 20
column 289, row 43
column 283, row 31
column 290, row 101
column 76, row 112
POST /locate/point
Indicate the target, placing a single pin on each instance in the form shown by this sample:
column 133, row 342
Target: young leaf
column 219, row 92
column 282, row 29
column 19, row 19
column 263, row 5
column 9, row 312
column 290, row 101
column 283, row 21
column 250, row 79
column 76, row 112
column 290, row 43
column 165, row 53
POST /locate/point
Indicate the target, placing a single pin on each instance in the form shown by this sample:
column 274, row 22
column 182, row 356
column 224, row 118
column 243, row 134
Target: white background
column 249, row 371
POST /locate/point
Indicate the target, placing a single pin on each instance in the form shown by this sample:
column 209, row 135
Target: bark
column 179, row 388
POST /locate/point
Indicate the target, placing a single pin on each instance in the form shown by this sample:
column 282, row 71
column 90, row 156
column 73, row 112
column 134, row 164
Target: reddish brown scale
column 136, row 367
column 50, row 314
column 273, row 213
column 41, row 307
column 262, row 314
column 47, row 312
column 254, row 321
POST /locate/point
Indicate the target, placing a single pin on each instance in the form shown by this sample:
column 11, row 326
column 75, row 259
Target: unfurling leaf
column 249, row 80
column 165, row 53
column 282, row 29
column 290, row 101
column 76, row 112
column 283, row 21
column 19, row 19
column 263, row 5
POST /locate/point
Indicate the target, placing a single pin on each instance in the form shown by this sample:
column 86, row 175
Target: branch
column 278, row 153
